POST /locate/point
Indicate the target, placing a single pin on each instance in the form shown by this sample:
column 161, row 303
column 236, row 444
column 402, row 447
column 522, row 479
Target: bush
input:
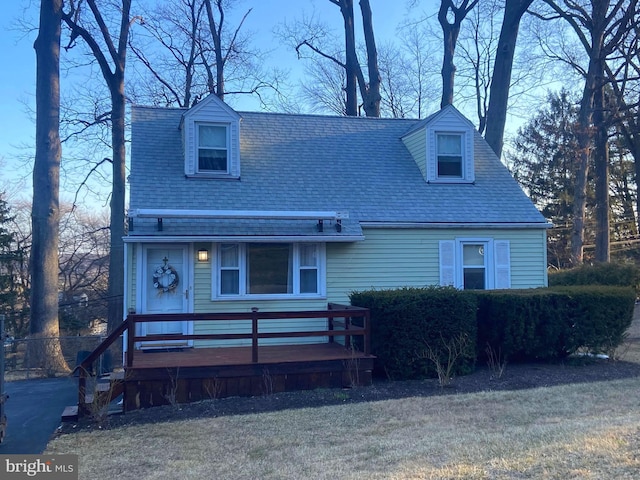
column 551, row 323
column 598, row 317
column 407, row 323
column 522, row 324
column 615, row 274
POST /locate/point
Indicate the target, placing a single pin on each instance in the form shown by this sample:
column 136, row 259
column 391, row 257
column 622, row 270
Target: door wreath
column 165, row 277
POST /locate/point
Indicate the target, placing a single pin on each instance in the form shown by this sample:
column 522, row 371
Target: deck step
column 70, row 414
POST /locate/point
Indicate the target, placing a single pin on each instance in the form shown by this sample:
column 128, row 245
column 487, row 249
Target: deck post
column 82, row 389
column 254, row 334
column 131, row 333
column 331, row 326
column 347, row 337
column 367, row 332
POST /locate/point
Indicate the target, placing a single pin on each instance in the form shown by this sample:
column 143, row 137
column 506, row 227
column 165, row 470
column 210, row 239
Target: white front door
column 165, row 289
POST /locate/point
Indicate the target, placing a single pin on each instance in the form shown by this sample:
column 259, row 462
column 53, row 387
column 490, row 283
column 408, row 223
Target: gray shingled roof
column 308, row 162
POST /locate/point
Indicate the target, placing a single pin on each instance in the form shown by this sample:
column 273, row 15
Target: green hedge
column 405, row 322
column 550, row 323
column 523, row 325
column 614, row 274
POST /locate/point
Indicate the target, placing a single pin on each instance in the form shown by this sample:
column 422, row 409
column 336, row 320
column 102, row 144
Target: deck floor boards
column 232, row 356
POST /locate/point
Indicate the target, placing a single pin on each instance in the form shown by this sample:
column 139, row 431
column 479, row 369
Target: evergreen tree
column 11, row 257
column 545, row 162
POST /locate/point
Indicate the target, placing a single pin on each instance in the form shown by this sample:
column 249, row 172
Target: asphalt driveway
column 33, row 412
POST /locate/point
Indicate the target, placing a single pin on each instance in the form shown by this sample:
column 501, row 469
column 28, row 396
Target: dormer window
column 212, row 148
column 442, row 146
column 449, row 155
column 211, row 140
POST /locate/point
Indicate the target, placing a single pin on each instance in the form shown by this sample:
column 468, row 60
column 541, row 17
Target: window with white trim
column 268, row 269
column 449, row 152
column 475, row 263
column 212, row 148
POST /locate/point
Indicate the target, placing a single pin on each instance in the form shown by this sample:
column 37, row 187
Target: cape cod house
column 254, row 213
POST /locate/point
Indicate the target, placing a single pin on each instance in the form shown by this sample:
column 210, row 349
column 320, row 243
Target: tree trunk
column 448, row 68
column 216, row 33
column 117, row 219
column 45, row 214
column 601, row 161
column 450, row 32
column 351, row 59
column 501, row 76
column 371, row 97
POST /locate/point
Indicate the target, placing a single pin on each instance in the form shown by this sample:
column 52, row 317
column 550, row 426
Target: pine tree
column 11, row 257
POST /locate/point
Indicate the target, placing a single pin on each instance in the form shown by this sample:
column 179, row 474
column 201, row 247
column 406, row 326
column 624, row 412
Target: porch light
column 203, row 255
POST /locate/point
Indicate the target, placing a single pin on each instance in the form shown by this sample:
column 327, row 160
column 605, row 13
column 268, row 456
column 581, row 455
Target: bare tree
column 110, row 53
column 46, row 173
column 450, row 17
column 599, row 28
column 189, row 49
column 171, row 52
column 311, row 36
column 84, row 268
column 623, row 73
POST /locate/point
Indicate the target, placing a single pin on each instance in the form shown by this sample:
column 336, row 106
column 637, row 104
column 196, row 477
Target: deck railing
column 340, row 324
column 342, row 321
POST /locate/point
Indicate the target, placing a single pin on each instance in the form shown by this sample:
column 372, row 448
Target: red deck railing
column 342, row 321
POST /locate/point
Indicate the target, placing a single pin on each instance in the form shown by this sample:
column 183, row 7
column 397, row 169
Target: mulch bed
column 515, row 377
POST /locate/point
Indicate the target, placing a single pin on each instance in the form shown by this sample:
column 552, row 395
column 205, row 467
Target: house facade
column 232, row 211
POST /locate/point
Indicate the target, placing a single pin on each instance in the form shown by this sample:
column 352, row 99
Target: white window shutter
column 470, row 169
column 502, row 261
column 447, row 263
column 190, row 147
column 430, row 156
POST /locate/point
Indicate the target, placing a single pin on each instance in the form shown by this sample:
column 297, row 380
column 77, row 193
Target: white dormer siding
column 211, row 116
column 435, row 139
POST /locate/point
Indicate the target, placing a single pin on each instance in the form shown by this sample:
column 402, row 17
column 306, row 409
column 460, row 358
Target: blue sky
column 17, row 82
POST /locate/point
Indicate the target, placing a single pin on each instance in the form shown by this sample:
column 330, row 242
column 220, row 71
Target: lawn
column 584, row 431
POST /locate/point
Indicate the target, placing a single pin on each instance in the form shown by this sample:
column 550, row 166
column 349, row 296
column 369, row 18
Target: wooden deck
column 163, row 377
column 182, row 375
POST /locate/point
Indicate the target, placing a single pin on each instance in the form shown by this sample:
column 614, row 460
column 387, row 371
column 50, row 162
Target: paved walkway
column 33, row 412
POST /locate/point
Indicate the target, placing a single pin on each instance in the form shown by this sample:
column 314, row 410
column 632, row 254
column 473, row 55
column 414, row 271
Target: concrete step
column 70, row 414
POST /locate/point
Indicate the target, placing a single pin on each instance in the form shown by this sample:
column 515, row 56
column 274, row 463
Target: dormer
column 442, row 146
column 211, row 140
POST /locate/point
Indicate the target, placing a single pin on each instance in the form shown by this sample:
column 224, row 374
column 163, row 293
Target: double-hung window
column 268, row 269
column 475, row 263
column 474, row 266
column 212, row 141
column 449, row 148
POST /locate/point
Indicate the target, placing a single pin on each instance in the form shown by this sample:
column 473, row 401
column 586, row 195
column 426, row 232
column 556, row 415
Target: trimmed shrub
column 598, row 317
column 405, row 323
column 551, row 323
column 522, row 324
column 615, row 274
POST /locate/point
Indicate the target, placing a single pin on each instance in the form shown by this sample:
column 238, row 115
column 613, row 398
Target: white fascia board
column 237, row 214
column 469, row 226
column 242, row 238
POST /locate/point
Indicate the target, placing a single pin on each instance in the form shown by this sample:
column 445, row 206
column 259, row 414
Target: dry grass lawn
column 579, row 431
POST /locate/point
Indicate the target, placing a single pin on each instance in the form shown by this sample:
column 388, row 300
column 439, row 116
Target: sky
column 17, row 83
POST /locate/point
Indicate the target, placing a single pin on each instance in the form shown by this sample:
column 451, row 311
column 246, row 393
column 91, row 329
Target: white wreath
column 165, row 278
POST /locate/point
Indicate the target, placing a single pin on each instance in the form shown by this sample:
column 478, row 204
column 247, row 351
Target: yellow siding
column 416, row 143
column 395, row 258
